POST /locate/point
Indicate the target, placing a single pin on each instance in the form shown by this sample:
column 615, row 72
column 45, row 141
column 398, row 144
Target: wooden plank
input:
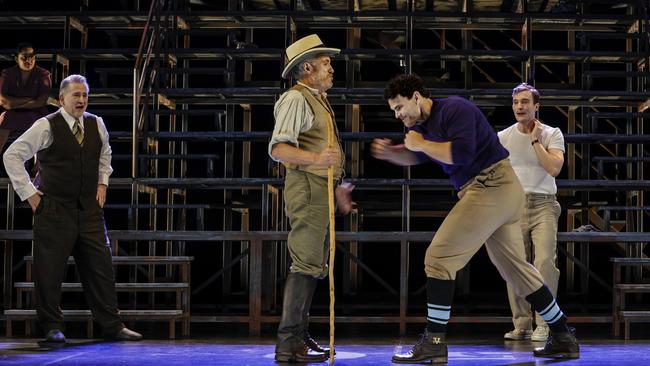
column 630, row 261
column 632, row 287
column 375, row 236
column 136, row 260
column 26, row 314
column 148, row 286
column 638, row 314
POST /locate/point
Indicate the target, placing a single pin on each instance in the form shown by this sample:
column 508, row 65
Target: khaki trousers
column 489, row 212
column 539, row 228
column 305, row 199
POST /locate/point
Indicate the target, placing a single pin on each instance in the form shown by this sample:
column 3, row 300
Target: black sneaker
column 560, row 345
column 430, row 347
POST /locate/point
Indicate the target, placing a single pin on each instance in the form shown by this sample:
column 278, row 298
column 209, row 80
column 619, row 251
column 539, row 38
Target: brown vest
column 315, row 139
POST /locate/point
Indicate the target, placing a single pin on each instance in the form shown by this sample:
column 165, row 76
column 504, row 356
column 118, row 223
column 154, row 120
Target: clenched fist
column 343, row 197
column 384, row 149
column 413, row 141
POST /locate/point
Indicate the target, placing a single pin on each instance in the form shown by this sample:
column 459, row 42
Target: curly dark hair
column 405, row 85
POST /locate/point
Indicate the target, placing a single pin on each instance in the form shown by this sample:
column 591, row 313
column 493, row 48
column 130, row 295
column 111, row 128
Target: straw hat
column 303, row 49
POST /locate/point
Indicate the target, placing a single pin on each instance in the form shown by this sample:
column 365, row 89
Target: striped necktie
column 78, row 131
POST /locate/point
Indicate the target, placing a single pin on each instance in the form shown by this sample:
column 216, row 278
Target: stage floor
column 240, row 351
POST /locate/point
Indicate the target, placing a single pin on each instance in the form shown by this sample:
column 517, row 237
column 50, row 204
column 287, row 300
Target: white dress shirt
column 39, row 137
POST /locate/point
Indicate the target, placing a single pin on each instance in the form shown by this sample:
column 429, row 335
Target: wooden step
column 168, row 156
column 631, row 261
column 636, row 314
column 30, row 314
column 633, row 287
column 631, row 316
column 171, row 316
column 136, row 259
column 147, row 286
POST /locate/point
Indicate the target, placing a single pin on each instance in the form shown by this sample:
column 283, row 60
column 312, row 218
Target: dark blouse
column 39, row 83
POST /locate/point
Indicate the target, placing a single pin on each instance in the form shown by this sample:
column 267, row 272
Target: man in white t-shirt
column 537, row 155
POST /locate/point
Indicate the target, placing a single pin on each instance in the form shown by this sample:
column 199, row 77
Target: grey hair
column 72, row 79
column 298, row 71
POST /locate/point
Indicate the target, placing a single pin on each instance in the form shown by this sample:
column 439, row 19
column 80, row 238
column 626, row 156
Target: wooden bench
column 255, row 318
column 181, row 289
column 23, row 288
column 85, row 315
column 618, row 296
column 633, row 316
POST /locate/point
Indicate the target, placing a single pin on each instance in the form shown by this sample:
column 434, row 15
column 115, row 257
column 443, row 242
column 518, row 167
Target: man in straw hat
column 302, row 118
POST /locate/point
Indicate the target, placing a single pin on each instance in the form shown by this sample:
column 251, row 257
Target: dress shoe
column 126, row 334
column 560, row 345
column 314, row 346
column 55, row 336
column 430, row 348
column 303, row 354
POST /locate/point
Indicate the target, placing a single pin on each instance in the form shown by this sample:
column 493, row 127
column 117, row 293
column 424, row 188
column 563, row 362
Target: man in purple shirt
column 454, row 133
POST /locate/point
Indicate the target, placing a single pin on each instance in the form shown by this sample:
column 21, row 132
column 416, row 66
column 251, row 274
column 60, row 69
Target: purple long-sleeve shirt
column 474, row 144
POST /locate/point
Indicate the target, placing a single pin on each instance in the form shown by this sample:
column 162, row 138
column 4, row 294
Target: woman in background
column 24, row 90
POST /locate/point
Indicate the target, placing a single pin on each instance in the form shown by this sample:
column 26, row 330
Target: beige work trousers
column 539, row 228
column 488, row 212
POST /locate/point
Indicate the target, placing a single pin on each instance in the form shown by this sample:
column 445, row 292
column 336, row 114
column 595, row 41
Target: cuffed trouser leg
column 539, row 228
column 55, row 235
column 93, row 257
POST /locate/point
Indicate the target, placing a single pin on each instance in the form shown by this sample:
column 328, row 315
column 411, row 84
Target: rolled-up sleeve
column 36, row 138
column 292, row 116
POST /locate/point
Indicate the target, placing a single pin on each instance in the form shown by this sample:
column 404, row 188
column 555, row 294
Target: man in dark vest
column 299, row 141
column 75, row 163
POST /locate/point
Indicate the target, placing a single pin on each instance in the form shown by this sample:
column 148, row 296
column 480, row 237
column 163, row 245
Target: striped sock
column 543, row 302
column 439, row 296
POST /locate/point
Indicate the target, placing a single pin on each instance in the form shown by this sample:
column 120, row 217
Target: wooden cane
column 332, row 232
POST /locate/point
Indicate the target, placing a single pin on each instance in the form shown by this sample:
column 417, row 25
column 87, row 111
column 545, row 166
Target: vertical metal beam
column 527, row 71
column 228, row 164
column 8, row 251
column 245, row 167
column 351, row 276
column 406, row 193
column 255, row 288
column 408, row 62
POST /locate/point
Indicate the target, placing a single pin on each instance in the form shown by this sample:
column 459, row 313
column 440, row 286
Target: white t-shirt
column 530, row 172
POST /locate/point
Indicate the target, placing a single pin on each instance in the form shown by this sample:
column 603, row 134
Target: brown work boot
column 430, row 347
